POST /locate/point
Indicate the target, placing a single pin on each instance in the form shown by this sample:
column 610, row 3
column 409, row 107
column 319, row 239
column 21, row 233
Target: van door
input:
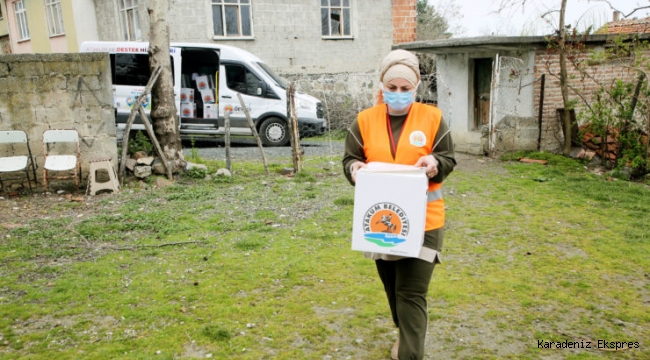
column 130, row 70
column 176, row 58
column 199, row 112
column 240, row 79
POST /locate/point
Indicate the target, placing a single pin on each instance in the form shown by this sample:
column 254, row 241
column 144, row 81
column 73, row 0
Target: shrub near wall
column 59, row 91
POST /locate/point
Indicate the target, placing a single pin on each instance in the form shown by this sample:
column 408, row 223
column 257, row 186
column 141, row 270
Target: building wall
column 16, row 47
column 59, row 91
column 38, row 31
column 547, row 62
column 454, row 99
column 287, row 34
column 80, row 23
column 455, row 84
column 4, row 28
column 404, row 21
column 5, row 44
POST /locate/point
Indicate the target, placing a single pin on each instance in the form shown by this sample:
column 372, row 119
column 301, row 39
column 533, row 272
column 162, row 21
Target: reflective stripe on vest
column 434, row 195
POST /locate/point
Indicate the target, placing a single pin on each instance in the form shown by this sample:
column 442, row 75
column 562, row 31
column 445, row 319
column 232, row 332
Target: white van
column 207, row 79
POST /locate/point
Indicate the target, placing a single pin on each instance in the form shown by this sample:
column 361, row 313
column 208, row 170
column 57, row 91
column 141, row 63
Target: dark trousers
column 406, row 283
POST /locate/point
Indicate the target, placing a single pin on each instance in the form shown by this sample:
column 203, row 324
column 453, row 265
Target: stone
column 142, row 171
column 130, row 164
column 223, row 172
column 139, row 154
column 158, row 168
column 161, row 182
column 145, row 160
column 286, row 171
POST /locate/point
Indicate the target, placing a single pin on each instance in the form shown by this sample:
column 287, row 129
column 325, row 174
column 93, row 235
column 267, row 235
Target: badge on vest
column 418, row 139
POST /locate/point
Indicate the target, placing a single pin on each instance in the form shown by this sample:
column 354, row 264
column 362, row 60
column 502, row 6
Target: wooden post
column 226, row 120
column 254, row 130
column 541, row 109
column 129, row 122
column 155, row 142
column 296, row 154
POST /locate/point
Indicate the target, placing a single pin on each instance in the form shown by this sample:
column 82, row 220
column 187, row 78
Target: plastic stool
column 102, row 164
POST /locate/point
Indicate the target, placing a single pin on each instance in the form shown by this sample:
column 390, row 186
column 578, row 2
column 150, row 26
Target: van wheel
column 274, row 132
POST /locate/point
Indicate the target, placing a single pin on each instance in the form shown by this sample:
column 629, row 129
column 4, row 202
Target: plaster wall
column 85, row 24
column 455, row 83
column 59, row 91
column 4, row 28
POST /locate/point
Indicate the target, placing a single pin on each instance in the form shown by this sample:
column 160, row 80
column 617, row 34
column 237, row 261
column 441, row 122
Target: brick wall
column 629, row 26
column 404, row 21
column 59, row 91
column 547, row 62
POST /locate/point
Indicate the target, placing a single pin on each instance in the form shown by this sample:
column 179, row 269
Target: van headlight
column 303, row 104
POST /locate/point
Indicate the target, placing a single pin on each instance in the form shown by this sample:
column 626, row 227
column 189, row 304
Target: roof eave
column 496, row 43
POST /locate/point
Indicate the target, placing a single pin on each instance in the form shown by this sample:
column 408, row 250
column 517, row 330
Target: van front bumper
column 311, row 127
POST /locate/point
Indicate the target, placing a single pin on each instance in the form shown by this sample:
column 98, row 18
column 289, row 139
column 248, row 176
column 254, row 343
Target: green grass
column 260, row 267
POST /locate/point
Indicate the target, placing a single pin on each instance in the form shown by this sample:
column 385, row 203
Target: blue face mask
column 398, row 101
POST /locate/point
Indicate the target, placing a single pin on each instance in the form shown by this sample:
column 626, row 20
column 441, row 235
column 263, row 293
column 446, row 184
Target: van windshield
column 277, row 78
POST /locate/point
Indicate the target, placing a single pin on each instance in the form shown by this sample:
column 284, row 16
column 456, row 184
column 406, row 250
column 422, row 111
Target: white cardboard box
column 187, row 109
column 210, row 111
column 390, row 204
column 187, row 95
column 207, row 95
column 202, row 82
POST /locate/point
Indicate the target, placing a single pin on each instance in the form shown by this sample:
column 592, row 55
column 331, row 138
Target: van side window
column 241, row 79
column 132, row 69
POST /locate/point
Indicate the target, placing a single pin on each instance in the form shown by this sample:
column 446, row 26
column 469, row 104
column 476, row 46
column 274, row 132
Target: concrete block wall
column 286, row 34
column 59, row 91
column 547, row 62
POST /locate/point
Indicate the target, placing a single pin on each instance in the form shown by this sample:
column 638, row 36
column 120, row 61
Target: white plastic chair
column 59, row 157
column 16, row 160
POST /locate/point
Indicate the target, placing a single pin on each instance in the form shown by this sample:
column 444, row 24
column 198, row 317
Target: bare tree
column 625, row 15
column 163, row 108
column 564, row 81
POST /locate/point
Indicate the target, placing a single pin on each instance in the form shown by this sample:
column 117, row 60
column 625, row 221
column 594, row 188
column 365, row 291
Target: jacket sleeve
column 353, row 149
column 443, row 151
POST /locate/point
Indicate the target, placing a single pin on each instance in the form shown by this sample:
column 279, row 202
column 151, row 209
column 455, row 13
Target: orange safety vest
column 415, row 141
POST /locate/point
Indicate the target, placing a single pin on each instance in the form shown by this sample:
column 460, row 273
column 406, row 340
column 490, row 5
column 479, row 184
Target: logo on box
column 385, row 225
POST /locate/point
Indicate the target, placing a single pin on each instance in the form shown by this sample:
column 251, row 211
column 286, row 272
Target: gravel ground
column 246, row 148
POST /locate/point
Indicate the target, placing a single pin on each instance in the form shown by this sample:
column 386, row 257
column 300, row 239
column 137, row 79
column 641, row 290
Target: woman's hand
column 430, row 163
column 354, row 168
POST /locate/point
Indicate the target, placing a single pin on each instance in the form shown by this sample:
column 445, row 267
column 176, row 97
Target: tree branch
column 622, row 13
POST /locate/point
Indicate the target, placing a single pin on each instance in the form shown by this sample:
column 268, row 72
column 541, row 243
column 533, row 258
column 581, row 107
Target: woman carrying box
column 399, row 130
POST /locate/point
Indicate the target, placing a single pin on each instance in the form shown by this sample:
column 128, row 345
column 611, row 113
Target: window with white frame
column 232, row 18
column 54, row 17
column 130, row 20
column 335, row 18
column 21, row 20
